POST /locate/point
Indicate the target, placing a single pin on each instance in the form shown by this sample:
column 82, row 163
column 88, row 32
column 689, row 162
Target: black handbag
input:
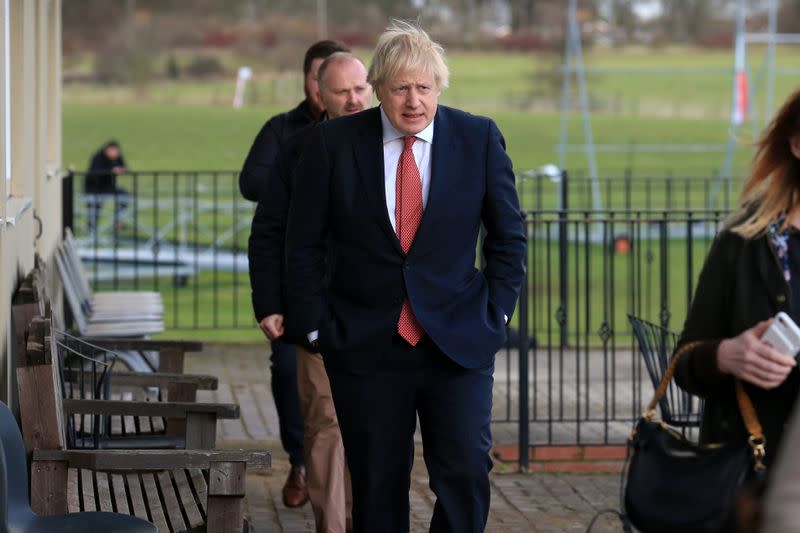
column 675, row 485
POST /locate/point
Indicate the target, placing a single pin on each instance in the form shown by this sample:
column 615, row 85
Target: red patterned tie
column 408, row 214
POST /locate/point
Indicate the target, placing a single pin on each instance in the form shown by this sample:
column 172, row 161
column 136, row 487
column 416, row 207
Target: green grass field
column 191, row 126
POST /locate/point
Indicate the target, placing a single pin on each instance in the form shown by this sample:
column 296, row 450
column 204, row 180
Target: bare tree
column 789, row 17
column 686, row 20
column 623, row 17
column 522, row 12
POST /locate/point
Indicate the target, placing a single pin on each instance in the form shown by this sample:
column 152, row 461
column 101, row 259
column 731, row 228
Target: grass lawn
column 164, row 137
column 191, row 126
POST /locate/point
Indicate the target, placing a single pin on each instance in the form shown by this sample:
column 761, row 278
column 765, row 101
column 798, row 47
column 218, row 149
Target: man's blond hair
column 405, row 47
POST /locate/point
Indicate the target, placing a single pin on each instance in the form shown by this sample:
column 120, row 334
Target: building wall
column 30, row 149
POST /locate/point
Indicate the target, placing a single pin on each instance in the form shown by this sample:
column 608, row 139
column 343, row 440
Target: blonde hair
column 773, row 187
column 405, row 47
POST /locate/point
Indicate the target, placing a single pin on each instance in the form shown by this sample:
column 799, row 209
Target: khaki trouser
column 326, row 472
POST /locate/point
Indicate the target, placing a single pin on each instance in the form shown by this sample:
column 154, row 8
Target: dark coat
column 740, row 285
column 260, row 162
column 100, row 178
column 338, row 225
column 265, row 251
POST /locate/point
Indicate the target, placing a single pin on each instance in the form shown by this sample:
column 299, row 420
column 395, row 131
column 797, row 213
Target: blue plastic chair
column 16, row 515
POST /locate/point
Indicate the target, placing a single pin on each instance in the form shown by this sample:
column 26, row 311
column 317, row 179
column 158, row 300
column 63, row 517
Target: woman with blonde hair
column 751, row 273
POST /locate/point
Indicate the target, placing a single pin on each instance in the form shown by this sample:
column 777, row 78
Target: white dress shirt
column 392, row 149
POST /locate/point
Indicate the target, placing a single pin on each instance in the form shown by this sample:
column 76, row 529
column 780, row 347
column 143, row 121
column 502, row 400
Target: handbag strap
column 756, row 437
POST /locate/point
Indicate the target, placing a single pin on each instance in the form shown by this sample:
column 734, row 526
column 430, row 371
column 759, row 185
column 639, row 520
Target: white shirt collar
column 390, row 133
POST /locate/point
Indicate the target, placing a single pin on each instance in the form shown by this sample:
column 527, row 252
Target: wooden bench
column 137, row 352
column 178, row 490
column 44, row 355
column 17, row 514
column 71, row 269
column 171, row 382
column 130, row 317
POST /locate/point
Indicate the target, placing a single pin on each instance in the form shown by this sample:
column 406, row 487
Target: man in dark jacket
column 263, row 154
column 344, row 90
column 101, row 182
column 258, row 170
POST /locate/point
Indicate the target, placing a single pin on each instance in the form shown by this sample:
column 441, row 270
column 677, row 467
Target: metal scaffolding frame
column 574, row 64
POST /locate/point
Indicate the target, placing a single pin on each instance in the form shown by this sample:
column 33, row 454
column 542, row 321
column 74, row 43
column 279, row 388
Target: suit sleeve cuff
column 312, row 335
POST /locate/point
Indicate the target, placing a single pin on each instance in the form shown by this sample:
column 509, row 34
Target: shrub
column 204, row 66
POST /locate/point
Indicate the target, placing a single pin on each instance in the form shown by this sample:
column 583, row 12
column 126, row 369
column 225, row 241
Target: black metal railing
column 573, row 373
column 579, row 378
column 182, row 233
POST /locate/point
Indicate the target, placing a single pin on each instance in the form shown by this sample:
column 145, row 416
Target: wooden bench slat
column 171, row 505
column 145, row 428
column 188, row 502
column 145, row 422
column 87, row 491
column 141, row 408
column 73, row 494
column 104, row 492
column 128, row 425
column 147, row 344
column 154, row 502
column 200, row 487
column 137, row 499
column 116, row 426
column 162, row 379
column 120, row 494
column 158, row 424
column 153, row 459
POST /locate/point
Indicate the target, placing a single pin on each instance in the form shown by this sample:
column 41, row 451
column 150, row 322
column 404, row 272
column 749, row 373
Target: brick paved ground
column 539, row 502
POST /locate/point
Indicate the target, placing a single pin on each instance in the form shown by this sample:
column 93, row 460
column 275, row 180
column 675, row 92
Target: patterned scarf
column 780, row 243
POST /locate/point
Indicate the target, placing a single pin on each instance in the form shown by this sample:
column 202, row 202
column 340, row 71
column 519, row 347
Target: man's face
column 409, row 100
column 345, row 89
column 112, row 152
column 311, row 87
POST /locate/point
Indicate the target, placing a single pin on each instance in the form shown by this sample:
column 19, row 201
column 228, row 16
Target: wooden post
column 40, row 409
column 226, row 489
column 201, row 431
column 49, row 487
column 180, row 392
column 170, row 360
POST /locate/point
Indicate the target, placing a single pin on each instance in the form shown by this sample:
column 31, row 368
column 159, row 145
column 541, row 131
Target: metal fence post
column 664, row 313
column 524, row 437
column 67, row 221
column 67, row 201
column 563, row 258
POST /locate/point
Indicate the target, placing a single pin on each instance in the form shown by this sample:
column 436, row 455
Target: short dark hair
column 321, row 50
column 109, row 144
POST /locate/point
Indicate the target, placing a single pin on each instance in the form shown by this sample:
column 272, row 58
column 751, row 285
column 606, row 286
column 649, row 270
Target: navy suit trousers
column 377, row 416
column 287, row 402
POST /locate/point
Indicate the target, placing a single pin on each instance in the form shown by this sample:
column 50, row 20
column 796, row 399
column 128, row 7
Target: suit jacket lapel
column 444, row 168
column 368, row 153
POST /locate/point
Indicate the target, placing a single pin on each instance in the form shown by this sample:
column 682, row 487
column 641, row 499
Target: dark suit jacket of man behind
column 342, row 198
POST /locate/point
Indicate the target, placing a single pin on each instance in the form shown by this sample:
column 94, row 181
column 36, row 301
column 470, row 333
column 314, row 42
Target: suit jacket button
column 406, row 265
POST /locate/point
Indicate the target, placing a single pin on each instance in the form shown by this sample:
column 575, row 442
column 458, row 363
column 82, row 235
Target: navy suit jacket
column 347, row 273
